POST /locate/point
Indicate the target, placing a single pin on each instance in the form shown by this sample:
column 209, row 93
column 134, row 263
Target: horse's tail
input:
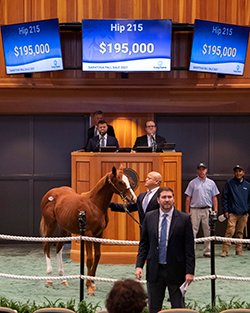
column 43, row 227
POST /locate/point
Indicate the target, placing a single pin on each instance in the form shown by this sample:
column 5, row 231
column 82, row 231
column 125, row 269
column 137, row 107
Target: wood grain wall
column 99, row 88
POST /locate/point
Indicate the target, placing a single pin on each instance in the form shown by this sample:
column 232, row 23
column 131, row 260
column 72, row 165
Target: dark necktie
column 163, row 240
column 95, row 131
column 152, row 144
column 102, row 142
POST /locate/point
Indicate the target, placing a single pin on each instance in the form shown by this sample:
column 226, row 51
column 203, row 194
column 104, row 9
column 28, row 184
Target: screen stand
column 221, row 75
column 124, row 75
column 28, row 75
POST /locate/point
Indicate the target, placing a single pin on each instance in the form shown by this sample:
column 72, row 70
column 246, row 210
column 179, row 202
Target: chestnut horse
column 60, row 207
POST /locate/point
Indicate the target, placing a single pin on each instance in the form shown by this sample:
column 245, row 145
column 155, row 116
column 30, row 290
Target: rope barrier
column 110, row 241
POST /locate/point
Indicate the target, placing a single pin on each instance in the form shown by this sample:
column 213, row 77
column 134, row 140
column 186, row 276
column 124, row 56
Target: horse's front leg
column 97, row 248
column 89, row 267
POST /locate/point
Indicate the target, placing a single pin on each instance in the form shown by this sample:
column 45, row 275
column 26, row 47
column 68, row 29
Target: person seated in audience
column 151, row 139
column 93, row 131
column 126, row 296
column 102, row 139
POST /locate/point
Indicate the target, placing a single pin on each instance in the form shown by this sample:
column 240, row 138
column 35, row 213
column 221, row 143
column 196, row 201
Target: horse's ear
column 114, row 171
column 121, row 167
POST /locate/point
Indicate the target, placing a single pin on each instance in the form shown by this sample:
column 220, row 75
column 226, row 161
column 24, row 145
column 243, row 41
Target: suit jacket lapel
column 173, row 222
column 151, row 201
column 155, row 223
column 139, row 204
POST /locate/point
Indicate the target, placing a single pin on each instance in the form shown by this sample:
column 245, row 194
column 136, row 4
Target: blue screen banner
column 32, row 47
column 126, row 45
column 219, row 48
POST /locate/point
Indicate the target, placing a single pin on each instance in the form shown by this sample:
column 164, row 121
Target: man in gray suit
column 146, row 201
column 167, row 243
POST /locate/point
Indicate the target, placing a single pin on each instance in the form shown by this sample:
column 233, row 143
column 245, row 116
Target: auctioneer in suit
column 143, row 141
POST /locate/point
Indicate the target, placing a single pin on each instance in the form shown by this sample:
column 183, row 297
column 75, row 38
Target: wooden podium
column 87, row 170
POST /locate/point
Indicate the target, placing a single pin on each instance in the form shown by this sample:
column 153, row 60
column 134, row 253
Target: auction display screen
column 126, row 45
column 32, row 47
column 219, row 48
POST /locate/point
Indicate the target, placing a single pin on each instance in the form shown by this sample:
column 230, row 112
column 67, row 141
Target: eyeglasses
column 150, row 126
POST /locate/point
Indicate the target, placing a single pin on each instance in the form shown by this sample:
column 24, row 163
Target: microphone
column 102, row 132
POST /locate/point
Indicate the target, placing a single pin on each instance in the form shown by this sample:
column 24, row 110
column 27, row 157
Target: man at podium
column 151, row 139
column 102, row 139
column 93, row 131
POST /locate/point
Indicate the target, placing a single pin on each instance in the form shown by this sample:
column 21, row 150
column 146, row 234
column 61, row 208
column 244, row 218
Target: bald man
column 146, row 201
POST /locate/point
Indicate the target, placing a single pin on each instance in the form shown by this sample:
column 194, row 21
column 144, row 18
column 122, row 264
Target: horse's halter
column 124, row 198
column 123, row 201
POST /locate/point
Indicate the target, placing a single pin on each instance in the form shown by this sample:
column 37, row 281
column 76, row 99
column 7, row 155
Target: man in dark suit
column 151, row 139
column 93, row 131
column 146, row 201
column 167, row 243
column 101, row 140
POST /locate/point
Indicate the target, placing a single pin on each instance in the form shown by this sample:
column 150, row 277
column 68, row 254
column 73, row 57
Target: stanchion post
column 212, row 221
column 82, row 225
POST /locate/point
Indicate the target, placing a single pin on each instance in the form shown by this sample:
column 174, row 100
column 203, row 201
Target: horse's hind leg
column 59, row 250
column 47, row 230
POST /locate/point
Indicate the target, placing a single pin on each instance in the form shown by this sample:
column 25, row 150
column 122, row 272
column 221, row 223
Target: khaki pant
column 201, row 216
column 235, row 225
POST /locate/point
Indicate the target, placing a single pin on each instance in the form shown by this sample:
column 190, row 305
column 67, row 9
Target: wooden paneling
column 121, row 226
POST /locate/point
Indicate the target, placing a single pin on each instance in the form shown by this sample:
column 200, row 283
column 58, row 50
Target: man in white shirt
column 167, row 243
column 151, row 139
column 102, row 139
column 93, row 131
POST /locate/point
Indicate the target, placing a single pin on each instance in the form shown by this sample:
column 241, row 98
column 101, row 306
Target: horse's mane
column 97, row 187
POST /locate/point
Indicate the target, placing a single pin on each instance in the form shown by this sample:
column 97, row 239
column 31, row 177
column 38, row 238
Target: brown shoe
column 223, row 254
column 239, row 253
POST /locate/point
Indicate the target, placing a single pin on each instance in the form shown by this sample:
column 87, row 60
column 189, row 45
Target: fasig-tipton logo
column 237, row 70
column 55, row 64
column 132, row 177
column 160, row 65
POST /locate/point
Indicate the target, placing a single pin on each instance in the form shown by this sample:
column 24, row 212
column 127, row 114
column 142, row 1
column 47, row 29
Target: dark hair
column 149, row 121
column 102, row 122
column 160, row 190
column 126, row 296
column 98, row 113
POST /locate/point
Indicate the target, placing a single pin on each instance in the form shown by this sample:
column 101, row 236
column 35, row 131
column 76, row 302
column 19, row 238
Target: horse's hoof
column 90, row 291
column 49, row 283
column 65, row 283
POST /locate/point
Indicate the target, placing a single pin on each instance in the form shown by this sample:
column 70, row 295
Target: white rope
column 223, row 239
column 111, row 280
column 110, row 241
column 73, row 238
